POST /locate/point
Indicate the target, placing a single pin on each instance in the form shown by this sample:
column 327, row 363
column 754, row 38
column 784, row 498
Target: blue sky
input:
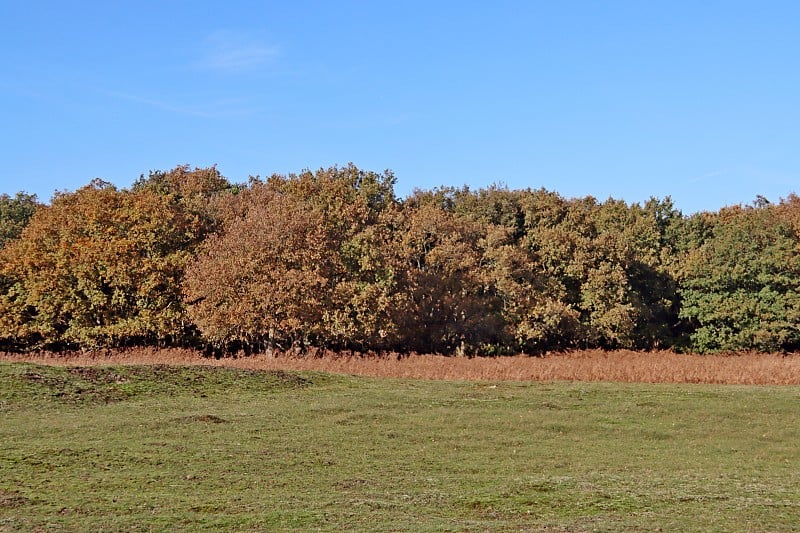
column 696, row 100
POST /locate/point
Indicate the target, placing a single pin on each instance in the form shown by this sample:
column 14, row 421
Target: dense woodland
column 333, row 259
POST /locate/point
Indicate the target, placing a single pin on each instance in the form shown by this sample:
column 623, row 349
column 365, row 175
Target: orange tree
column 99, row 267
column 298, row 263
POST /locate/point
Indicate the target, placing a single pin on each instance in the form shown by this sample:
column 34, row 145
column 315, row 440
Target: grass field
column 151, row 448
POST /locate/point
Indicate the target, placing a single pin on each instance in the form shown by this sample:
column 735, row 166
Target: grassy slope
column 153, row 448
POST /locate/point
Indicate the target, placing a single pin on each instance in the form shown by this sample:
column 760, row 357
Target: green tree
column 602, row 270
column 740, row 287
column 14, row 215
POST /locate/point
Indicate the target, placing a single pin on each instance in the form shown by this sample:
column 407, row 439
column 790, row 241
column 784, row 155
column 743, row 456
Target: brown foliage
column 591, row 365
column 98, row 267
column 266, row 274
column 298, row 262
column 443, row 301
column 331, row 260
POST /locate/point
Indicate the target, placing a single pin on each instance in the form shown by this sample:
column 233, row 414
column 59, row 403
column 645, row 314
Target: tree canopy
column 15, row 212
column 333, row 259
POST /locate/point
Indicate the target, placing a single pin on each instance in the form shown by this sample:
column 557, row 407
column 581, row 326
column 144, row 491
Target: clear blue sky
column 699, row 100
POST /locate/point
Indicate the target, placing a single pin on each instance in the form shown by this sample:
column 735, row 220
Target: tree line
column 333, row 259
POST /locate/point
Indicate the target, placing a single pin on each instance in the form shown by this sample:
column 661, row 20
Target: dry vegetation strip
column 590, row 365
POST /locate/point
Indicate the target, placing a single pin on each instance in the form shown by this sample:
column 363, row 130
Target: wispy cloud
column 230, row 51
column 707, row 177
column 218, row 109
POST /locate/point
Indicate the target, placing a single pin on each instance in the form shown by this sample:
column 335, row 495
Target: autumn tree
column 331, row 258
column 202, row 193
column 578, row 272
column 531, row 305
column 299, row 264
column 263, row 280
column 447, row 303
column 572, row 273
column 98, row 267
column 630, row 293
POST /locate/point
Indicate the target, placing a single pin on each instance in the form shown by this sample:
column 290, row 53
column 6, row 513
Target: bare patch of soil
column 12, row 500
column 74, row 387
column 210, row 419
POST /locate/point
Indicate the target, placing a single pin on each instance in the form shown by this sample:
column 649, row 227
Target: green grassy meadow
column 155, row 448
